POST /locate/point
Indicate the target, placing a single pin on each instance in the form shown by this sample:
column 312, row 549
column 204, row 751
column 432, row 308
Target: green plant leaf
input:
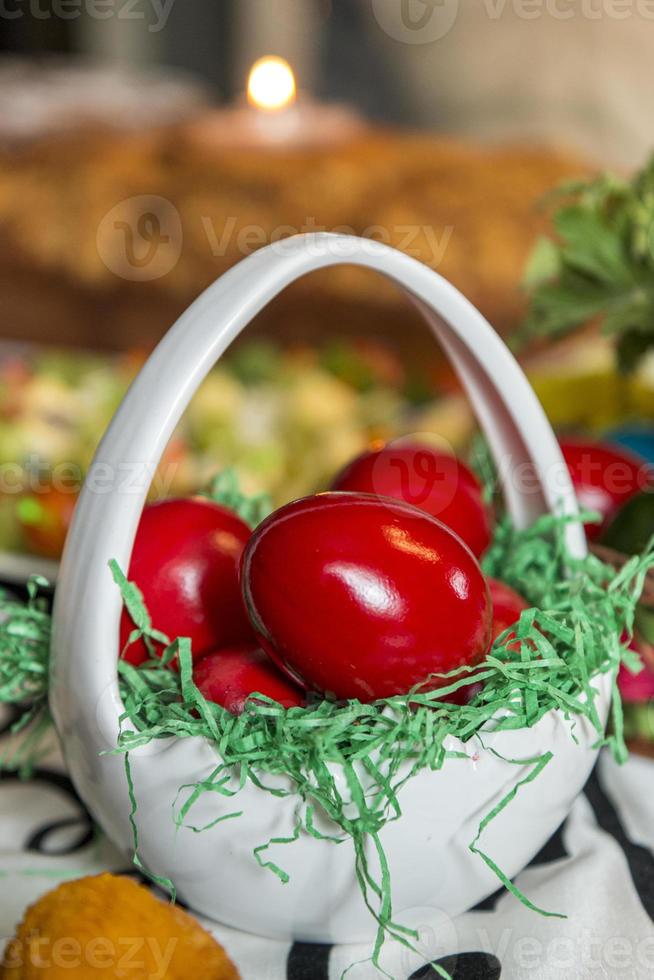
column 598, row 264
column 543, row 264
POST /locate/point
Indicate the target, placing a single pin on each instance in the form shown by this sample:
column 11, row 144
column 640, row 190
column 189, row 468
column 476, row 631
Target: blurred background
column 490, row 68
column 148, row 145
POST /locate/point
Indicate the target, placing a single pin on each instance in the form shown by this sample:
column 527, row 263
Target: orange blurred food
column 108, row 926
column 44, row 519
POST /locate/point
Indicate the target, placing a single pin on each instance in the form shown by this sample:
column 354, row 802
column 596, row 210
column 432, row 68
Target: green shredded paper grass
column 578, row 626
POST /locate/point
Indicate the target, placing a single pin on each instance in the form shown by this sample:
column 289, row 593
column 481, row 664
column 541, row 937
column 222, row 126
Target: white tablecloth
column 598, row 869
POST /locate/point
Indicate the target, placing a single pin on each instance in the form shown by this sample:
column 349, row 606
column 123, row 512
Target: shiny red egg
column 435, row 481
column 229, row 677
column 604, row 477
column 358, row 596
column 186, row 561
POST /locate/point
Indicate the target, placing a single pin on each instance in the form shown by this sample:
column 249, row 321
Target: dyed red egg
column 185, row 561
column 358, row 596
column 435, row 481
column 229, row 677
column 604, row 477
column 507, row 606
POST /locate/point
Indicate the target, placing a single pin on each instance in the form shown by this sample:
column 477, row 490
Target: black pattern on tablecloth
column 308, row 961
column 58, row 831
column 465, row 966
column 640, row 859
column 553, row 850
column 43, row 839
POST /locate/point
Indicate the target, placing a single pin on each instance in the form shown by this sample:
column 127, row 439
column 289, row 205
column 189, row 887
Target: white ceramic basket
column 428, row 848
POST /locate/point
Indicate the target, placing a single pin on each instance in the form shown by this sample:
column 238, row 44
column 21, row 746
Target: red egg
column 507, row 606
column 228, row 677
column 435, row 481
column 358, row 596
column 185, row 562
column 604, row 477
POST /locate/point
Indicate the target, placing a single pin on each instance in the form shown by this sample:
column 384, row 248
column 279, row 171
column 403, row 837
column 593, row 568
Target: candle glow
column 271, row 84
column 275, row 116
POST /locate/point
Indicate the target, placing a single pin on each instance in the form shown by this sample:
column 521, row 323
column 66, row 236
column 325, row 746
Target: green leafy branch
column 599, row 266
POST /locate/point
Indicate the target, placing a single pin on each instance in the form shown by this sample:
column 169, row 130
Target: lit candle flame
column 271, row 85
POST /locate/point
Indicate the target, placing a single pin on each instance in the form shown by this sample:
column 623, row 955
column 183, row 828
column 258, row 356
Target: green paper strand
column 164, row 883
column 225, row 490
column 539, row 764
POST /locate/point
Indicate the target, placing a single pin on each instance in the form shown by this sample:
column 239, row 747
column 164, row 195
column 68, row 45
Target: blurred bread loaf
column 82, row 216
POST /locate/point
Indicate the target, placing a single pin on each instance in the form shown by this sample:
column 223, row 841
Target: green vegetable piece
column 30, row 511
column 633, row 527
column 645, row 623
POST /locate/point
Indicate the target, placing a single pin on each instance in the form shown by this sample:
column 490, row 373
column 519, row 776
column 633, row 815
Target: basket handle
column 84, row 686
